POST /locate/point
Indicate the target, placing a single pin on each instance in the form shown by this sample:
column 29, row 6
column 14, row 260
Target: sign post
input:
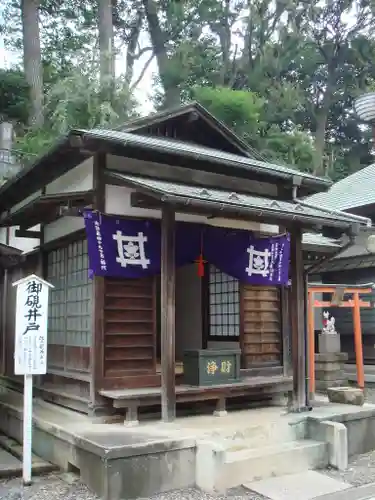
column 30, row 350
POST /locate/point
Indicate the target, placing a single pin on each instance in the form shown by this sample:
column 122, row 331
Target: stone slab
column 330, row 357
column 365, row 492
column 346, row 395
column 9, row 465
column 304, row 486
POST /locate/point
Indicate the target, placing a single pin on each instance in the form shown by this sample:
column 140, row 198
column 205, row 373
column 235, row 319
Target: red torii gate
column 337, row 293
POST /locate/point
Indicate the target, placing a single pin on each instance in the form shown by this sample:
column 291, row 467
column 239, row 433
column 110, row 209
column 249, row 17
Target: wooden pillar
column 358, row 340
column 298, row 324
column 285, row 330
column 168, row 300
column 4, row 309
column 311, row 342
column 98, row 406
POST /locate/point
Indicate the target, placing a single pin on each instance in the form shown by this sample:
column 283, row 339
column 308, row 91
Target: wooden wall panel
column 129, row 328
column 261, row 325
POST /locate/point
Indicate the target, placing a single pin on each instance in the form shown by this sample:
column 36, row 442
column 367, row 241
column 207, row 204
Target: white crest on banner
column 131, row 250
column 259, row 262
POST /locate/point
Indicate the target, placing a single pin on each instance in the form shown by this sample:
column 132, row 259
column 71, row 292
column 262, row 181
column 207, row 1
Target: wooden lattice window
column 224, row 305
column 70, row 299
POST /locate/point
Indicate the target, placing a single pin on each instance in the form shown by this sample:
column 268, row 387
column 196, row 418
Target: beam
column 347, row 303
column 168, row 300
column 298, row 311
column 27, row 233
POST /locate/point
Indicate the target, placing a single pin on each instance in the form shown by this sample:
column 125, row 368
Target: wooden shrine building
column 126, row 342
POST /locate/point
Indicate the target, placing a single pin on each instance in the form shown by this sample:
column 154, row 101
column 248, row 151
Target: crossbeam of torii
column 338, row 292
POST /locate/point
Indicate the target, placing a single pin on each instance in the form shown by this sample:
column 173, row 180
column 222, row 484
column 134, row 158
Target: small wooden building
column 356, row 265
column 121, row 342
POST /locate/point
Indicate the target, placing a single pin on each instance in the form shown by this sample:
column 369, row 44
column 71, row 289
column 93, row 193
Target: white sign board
column 30, row 356
column 30, row 351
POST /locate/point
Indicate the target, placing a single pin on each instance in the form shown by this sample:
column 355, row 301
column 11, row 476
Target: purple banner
column 258, row 261
column 132, row 249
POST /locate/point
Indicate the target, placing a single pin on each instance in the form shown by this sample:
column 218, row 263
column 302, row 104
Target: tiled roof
column 319, row 240
column 356, row 190
column 350, row 263
column 201, row 152
column 185, row 193
column 192, row 107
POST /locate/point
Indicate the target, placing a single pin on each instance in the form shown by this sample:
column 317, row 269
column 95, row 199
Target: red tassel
column 200, row 263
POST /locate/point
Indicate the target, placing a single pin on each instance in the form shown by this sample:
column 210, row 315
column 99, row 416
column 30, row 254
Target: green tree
column 75, row 101
column 14, row 97
column 245, row 113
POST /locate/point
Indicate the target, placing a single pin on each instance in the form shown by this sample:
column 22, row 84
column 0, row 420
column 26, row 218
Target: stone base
column 338, row 357
column 324, row 385
column 346, row 395
column 329, row 370
column 329, row 343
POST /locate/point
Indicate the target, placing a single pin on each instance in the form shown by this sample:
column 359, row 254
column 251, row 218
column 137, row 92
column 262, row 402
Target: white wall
column 24, row 244
column 79, row 178
column 3, row 235
column 118, row 202
column 188, row 310
column 62, row 227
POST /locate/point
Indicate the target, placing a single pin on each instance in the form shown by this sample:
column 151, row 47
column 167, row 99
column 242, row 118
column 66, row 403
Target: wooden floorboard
column 246, row 383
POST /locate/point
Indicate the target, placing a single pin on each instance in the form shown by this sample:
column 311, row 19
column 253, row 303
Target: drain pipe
column 316, row 265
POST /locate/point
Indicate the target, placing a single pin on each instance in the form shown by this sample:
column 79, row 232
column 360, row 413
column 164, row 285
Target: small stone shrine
column 329, row 362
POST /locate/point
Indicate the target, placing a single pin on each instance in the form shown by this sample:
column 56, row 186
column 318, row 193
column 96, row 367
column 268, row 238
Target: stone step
column 39, row 466
column 276, row 428
column 230, row 468
column 262, row 436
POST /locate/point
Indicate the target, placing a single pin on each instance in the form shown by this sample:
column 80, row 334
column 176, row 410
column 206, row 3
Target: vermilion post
column 311, row 341
column 358, row 340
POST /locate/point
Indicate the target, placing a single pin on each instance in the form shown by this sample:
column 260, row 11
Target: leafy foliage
column 14, row 96
column 75, row 101
column 246, row 114
column 282, row 73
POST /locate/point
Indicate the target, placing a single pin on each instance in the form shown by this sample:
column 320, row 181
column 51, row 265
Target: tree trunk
column 171, row 91
column 320, row 141
column 321, row 126
column 32, row 59
column 106, row 47
column 225, row 42
column 135, row 31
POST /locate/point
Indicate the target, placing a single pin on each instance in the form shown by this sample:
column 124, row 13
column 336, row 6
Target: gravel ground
column 361, row 471
column 361, row 468
column 68, row 487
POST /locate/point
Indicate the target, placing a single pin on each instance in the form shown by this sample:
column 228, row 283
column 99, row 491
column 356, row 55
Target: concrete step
column 39, row 466
column 262, row 436
column 260, row 463
column 230, row 467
